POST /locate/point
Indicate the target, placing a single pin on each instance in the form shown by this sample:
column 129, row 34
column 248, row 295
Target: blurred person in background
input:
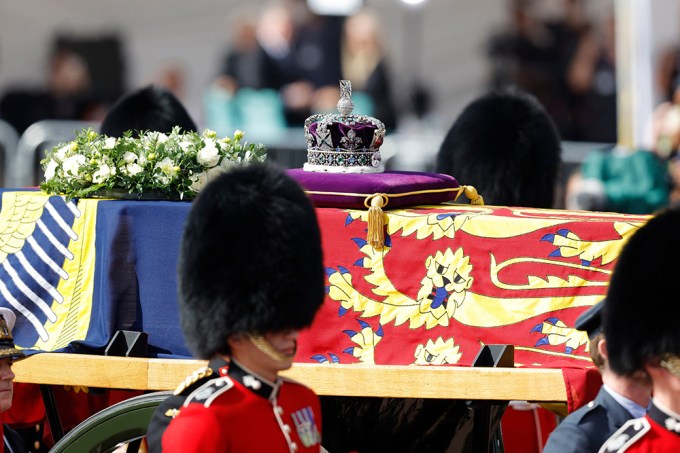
column 364, row 63
column 534, row 53
column 68, row 94
column 591, row 78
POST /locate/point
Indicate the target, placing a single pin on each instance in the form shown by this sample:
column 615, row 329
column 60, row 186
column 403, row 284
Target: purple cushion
column 342, row 190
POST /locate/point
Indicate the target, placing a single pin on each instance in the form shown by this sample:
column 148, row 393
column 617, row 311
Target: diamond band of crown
column 337, row 141
column 344, row 158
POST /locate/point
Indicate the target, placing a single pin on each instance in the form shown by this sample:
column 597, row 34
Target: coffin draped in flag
column 449, row 279
column 453, row 278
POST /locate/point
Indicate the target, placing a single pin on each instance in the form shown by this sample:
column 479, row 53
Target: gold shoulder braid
column 172, row 413
column 193, row 378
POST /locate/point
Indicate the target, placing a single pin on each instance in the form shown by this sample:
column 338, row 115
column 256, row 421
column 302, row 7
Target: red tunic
column 242, row 412
column 656, row 432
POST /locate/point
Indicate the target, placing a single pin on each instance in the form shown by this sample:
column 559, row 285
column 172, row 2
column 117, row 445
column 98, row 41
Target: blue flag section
column 76, row 271
column 136, row 273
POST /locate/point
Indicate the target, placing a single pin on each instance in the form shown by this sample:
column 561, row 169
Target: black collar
column 670, row 422
column 218, row 365
column 252, row 381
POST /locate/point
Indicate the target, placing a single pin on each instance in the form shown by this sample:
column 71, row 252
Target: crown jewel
column 344, row 142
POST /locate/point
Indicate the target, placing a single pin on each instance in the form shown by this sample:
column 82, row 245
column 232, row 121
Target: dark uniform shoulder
column 592, row 409
column 206, row 393
column 626, row 436
column 169, row 407
column 580, row 430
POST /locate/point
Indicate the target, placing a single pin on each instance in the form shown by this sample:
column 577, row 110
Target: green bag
column 635, row 182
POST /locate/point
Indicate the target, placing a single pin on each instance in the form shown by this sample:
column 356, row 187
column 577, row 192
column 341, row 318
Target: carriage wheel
column 123, row 422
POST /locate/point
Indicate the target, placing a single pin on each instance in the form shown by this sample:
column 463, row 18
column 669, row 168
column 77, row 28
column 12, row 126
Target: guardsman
column 250, row 276
column 620, row 398
column 640, row 319
column 12, row 442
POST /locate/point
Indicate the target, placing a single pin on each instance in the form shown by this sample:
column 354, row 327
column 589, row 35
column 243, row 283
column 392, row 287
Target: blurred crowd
column 567, row 62
column 282, row 63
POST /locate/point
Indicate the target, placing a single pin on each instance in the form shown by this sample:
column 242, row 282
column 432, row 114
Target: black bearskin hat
column 507, row 147
column 151, row 108
column 641, row 312
column 250, row 259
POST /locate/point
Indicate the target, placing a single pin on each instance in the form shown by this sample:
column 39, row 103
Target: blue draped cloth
column 73, row 286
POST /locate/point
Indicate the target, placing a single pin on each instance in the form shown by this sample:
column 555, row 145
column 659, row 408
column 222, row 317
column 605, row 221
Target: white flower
column 166, row 166
column 102, row 174
column 168, row 171
column 129, row 157
column 50, row 170
column 110, row 143
column 61, row 153
column 133, row 169
column 184, row 144
column 162, row 138
column 143, row 160
column 73, row 163
column 198, row 181
column 209, row 155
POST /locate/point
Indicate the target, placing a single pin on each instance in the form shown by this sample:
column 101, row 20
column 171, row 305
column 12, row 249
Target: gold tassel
column 376, row 220
column 473, row 196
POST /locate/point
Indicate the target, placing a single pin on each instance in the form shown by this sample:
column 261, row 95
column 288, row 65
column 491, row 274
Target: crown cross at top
column 345, row 104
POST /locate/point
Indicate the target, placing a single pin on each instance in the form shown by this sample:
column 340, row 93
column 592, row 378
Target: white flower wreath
column 177, row 165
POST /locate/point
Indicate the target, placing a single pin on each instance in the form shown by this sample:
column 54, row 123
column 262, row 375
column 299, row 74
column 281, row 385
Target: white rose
column 61, row 152
column 184, row 144
column 133, row 169
column 50, row 170
column 162, row 138
column 167, row 168
column 110, row 143
column 102, row 174
column 209, row 155
column 129, row 157
column 73, row 163
column 199, row 181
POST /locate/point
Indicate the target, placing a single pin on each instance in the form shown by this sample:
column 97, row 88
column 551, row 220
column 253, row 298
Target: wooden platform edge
column 530, row 384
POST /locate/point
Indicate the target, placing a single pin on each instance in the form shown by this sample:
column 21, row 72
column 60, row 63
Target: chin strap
column 266, row 348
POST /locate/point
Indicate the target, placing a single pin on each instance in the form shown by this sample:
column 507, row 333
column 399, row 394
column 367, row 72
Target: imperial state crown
column 344, row 142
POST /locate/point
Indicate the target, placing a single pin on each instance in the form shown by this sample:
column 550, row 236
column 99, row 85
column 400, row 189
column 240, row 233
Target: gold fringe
column 376, row 220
